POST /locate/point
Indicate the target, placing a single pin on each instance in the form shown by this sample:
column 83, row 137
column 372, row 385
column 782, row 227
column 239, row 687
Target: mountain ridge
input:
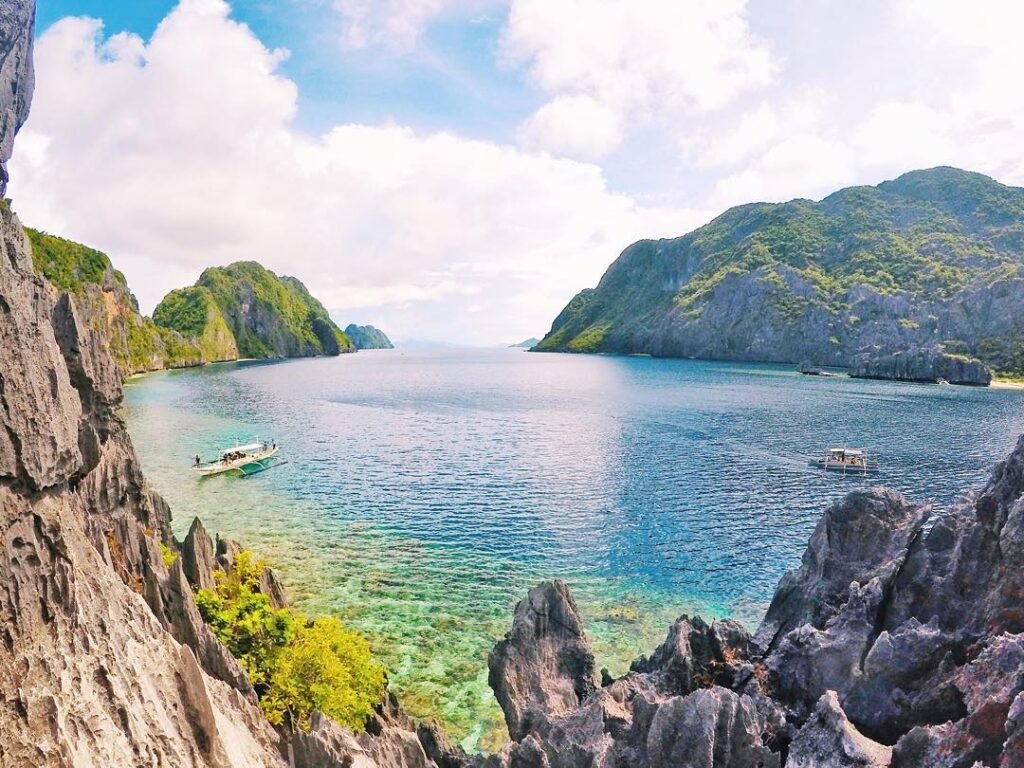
column 934, row 258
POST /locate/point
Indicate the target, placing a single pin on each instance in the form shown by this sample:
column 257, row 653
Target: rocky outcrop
column 544, row 666
column 898, row 641
column 391, row 740
column 368, row 337
column 828, row 740
column 923, row 365
column 921, row 260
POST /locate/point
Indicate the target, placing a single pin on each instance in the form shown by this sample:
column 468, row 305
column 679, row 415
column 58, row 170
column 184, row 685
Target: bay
column 423, row 492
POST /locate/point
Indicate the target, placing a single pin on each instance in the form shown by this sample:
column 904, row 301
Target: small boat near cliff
column 847, row 460
column 245, row 459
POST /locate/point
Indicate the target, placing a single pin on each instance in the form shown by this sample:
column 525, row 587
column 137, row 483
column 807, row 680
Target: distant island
column 930, row 265
column 239, row 311
column 529, row 343
column 368, row 337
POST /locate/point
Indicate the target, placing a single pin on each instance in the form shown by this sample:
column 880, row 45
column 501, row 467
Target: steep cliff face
column 17, row 33
column 368, row 337
column 932, row 258
column 923, row 365
column 248, row 310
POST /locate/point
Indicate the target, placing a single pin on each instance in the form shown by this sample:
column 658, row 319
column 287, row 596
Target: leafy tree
column 297, row 667
column 326, row 669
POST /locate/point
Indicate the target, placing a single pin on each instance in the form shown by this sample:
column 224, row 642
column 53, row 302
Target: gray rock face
column 392, row 740
column 17, row 76
column 865, row 536
column 828, row 740
column 665, row 712
column 197, row 559
column 923, row 365
column 544, row 666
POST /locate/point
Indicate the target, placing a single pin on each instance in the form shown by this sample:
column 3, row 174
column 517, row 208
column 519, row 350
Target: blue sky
column 458, row 169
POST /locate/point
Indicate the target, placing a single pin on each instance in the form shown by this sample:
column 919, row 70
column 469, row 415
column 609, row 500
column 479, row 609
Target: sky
column 458, row 169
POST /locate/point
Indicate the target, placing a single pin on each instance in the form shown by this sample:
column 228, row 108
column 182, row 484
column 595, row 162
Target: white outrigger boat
column 847, row 461
column 247, row 459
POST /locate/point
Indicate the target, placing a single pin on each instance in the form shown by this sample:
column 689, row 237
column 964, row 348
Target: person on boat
column 198, row 460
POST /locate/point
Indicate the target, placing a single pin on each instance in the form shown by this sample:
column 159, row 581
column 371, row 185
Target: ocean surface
column 422, row 493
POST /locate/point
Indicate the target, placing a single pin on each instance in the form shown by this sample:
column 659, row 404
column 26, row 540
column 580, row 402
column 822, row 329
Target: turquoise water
column 425, row 492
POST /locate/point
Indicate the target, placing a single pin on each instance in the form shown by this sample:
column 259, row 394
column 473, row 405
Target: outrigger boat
column 246, row 459
column 847, row 461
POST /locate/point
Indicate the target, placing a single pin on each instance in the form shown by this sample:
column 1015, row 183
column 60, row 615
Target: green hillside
column 102, row 296
column 264, row 315
column 931, row 258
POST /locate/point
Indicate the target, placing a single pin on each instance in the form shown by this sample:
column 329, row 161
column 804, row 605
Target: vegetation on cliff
column 368, row 337
column 136, row 343
column 297, row 667
column 933, row 257
column 264, row 315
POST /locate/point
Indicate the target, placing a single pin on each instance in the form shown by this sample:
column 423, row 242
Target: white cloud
column 579, row 126
column 392, row 23
column 803, row 165
column 638, row 59
column 179, row 152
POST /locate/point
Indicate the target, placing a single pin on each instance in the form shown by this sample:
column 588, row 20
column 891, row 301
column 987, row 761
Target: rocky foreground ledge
column 897, row 643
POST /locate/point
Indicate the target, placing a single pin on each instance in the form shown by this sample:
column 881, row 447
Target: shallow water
column 424, row 492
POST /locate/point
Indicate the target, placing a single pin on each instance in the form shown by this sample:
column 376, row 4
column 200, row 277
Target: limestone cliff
column 934, row 258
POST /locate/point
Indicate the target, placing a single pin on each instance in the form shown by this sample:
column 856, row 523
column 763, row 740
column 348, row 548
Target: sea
column 421, row 493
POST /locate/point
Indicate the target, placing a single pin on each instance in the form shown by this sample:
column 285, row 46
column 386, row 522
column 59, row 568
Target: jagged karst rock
column 197, row 556
column 828, row 740
column 864, row 536
column 695, row 655
column 926, row 365
column 391, row 740
column 544, row 666
column 17, row 75
column 708, row 728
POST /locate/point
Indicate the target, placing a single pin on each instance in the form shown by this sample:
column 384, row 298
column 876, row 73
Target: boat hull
column 247, row 465
column 846, row 469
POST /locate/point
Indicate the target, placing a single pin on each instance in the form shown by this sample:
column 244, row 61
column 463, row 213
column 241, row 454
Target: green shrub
column 168, row 555
column 297, row 667
column 326, row 669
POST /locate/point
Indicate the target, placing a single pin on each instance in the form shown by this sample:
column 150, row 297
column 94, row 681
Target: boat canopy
column 243, row 448
column 847, row 451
